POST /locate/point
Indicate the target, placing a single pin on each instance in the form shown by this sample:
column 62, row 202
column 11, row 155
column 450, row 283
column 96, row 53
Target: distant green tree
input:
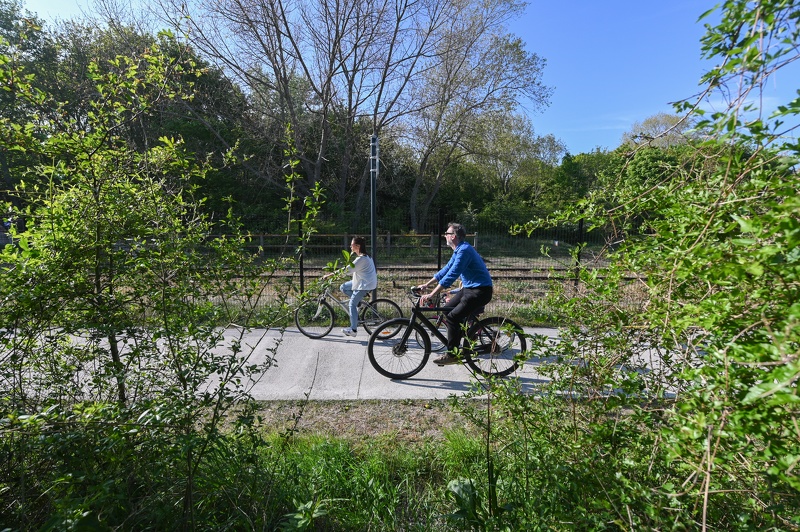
column 217, row 118
column 661, row 130
column 24, row 47
column 551, row 189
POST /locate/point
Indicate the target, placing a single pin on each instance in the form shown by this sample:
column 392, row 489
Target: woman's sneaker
column 349, row 332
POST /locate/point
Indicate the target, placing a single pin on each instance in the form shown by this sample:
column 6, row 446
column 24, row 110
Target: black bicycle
column 315, row 317
column 401, row 347
column 441, row 300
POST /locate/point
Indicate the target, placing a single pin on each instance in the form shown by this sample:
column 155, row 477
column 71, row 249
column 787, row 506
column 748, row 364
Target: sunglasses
column 449, row 233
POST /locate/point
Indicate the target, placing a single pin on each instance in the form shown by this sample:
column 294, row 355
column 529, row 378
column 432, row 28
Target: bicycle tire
column 376, row 312
column 499, row 343
column 397, row 359
column 314, row 318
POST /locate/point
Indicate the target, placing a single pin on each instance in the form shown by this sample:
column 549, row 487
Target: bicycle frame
column 418, row 316
column 316, row 316
column 327, row 295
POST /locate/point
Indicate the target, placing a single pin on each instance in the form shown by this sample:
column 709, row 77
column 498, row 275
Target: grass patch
column 358, row 465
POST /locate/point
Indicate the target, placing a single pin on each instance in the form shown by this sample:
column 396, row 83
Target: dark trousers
column 463, row 303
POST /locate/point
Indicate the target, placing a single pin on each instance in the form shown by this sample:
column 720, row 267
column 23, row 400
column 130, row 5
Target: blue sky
column 611, row 63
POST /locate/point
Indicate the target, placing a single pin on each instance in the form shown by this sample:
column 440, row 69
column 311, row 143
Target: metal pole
column 302, row 253
column 374, row 164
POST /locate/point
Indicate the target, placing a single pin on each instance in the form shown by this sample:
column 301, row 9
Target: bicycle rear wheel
column 314, row 318
column 499, row 343
column 376, row 312
column 394, row 357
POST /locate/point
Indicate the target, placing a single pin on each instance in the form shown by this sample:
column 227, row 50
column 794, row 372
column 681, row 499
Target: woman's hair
column 459, row 230
column 361, row 243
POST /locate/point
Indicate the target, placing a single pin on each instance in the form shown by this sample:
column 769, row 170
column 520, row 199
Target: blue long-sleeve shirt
column 467, row 265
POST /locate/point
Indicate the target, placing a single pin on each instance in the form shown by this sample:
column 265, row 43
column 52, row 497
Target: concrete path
column 337, row 367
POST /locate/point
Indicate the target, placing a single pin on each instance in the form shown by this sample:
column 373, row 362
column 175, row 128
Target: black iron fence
column 544, row 250
column 525, row 268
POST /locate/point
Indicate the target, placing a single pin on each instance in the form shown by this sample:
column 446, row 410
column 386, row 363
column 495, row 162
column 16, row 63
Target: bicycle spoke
column 499, row 343
column 380, row 311
column 314, row 318
column 394, row 357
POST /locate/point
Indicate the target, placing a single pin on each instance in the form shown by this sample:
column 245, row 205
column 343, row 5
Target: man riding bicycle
column 465, row 264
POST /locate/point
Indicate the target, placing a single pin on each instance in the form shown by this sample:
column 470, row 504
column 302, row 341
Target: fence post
column 475, row 240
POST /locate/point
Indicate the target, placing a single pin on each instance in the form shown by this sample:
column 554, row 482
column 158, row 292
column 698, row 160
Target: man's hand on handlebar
column 423, row 298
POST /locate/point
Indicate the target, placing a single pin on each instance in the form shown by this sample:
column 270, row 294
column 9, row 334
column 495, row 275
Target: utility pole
column 374, row 163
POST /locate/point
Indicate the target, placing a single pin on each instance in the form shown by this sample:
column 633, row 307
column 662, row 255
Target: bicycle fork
column 400, row 348
column 319, row 309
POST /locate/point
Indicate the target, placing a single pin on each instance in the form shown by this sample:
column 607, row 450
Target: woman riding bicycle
column 476, row 290
column 365, row 279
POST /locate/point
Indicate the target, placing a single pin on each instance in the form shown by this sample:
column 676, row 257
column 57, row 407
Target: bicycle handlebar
column 415, row 293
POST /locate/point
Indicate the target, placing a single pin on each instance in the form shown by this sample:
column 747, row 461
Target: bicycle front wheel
column 499, row 344
column 401, row 354
column 376, row 312
column 314, row 318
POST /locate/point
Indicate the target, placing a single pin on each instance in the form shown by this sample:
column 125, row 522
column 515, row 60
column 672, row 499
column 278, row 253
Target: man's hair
column 361, row 242
column 459, row 229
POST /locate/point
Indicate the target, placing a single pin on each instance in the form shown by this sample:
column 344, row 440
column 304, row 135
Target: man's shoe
column 446, row 360
column 347, row 331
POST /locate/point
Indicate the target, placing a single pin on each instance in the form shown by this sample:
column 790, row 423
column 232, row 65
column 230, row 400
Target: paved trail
column 337, row 367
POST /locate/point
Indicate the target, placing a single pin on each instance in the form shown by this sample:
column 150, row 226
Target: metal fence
column 543, row 250
column 525, row 268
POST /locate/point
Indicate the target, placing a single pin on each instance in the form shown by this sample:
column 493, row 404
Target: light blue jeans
column 355, row 298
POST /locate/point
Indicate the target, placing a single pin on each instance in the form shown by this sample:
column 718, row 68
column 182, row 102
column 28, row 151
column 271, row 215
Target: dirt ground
column 405, row 420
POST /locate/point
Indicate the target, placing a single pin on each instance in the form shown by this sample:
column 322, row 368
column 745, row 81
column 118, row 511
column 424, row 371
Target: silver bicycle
column 316, row 317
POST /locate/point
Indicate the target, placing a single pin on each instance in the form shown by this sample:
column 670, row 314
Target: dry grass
column 406, row 420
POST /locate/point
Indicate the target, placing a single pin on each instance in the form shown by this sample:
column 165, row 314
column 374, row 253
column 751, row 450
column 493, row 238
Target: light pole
column 374, row 163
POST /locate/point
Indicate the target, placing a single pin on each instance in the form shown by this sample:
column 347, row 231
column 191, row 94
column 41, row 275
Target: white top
column 364, row 275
